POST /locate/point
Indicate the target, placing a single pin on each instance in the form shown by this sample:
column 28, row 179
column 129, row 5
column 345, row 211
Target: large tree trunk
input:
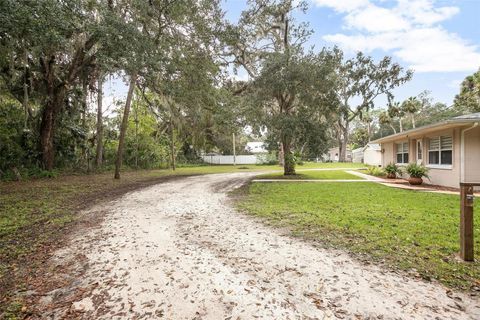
column 84, row 123
column 46, row 135
column 99, row 151
column 281, row 158
column 342, row 143
column 136, row 136
column 401, row 124
column 288, row 160
column 413, row 120
column 124, row 126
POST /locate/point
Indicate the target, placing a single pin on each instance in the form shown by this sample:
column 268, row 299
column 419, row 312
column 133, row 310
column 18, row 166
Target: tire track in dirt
column 178, row 250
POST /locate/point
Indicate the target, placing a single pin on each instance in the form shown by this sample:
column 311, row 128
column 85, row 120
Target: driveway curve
column 178, row 250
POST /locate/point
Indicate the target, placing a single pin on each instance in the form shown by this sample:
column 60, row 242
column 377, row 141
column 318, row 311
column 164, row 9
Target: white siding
column 247, row 159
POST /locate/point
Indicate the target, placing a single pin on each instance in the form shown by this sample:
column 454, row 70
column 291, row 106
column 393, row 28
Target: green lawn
column 310, row 165
column 406, row 229
column 311, row 174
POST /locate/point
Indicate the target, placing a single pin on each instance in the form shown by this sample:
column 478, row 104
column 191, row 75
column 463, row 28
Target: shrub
column 417, row 171
column 392, row 168
column 375, row 171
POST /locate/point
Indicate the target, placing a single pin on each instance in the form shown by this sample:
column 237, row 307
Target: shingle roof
column 457, row 121
column 471, row 116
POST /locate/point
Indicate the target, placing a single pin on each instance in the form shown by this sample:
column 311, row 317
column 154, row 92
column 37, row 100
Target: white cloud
column 376, row 19
column 342, row 5
column 424, row 12
column 410, row 31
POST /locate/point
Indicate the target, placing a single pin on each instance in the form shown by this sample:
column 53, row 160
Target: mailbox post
column 466, row 220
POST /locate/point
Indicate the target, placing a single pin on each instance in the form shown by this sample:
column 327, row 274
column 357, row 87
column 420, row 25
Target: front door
column 419, row 152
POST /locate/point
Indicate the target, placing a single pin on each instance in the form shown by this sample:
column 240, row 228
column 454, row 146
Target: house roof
column 450, row 123
column 337, row 149
column 372, row 146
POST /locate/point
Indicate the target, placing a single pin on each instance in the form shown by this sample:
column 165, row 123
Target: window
column 440, row 150
column 402, row 152
column 419, row 150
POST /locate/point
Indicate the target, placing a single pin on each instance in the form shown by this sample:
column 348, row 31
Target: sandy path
column 178, row 250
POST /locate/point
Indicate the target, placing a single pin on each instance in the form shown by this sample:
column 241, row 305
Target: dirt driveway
column 178, row 250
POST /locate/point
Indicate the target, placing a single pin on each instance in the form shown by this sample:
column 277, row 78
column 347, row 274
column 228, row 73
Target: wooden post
column 466, row 220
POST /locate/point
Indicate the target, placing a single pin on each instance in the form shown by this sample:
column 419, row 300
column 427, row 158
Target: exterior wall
column 388, row 153
column 472, row 155
column 372, row 157
column 441, row 175
column 333, row 155
column 246, row 159
column 445, row 177
column 357, row 156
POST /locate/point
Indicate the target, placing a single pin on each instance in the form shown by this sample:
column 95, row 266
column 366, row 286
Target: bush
column 268, row 158
column 375, row 171
column 393, row 169
column 417, row 171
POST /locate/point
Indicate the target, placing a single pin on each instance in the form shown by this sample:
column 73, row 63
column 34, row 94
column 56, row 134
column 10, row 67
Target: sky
column 438, row 39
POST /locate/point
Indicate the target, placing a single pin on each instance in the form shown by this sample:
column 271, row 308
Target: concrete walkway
column 329, row 169
column 403, row 184
column 394, row 183
column 312, row 180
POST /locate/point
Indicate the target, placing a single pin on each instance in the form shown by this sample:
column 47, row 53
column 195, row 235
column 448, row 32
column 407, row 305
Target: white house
column 449, row 149
column 372, row 154
column 256, row 147
column 357, row 155
column 333, row 155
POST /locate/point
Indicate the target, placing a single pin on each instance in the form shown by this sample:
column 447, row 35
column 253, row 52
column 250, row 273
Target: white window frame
column 440, row 165
column 397, row 153
column 419, row 146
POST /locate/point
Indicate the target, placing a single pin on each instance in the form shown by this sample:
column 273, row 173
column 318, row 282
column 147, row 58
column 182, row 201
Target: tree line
column 180, row 59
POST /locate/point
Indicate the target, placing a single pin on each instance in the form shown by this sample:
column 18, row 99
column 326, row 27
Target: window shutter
column 446, row 142
column 434, row 143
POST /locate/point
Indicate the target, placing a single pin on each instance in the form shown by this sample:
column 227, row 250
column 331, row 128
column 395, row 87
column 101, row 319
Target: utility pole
column 234, row 153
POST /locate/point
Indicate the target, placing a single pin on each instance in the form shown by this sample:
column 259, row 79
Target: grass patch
column 307, row 175
column 332, row 165
column 406, row 229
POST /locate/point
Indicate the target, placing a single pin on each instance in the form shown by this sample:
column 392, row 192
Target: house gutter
column 462, row 151
column 407, row 133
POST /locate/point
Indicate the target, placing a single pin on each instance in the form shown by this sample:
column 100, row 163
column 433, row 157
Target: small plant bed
column 375, row 171
column 310, row 175
column 416, row 173
column 392, row 171
column 408, row 230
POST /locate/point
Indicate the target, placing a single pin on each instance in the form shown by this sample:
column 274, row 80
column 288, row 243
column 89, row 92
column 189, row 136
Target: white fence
column 247, row 159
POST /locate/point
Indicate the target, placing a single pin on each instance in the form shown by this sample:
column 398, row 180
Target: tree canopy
column 194, row 79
